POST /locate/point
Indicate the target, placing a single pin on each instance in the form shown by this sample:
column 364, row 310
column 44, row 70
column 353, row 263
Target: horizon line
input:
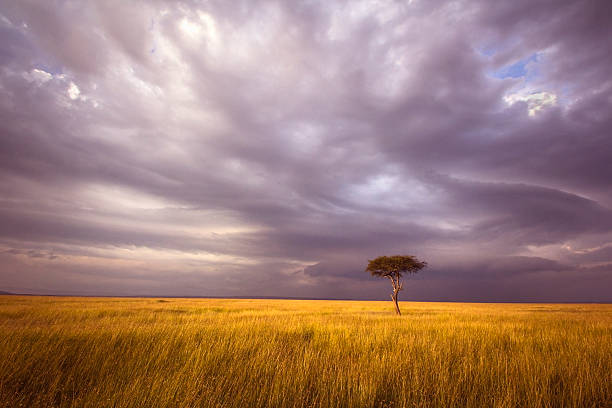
column 5, row 293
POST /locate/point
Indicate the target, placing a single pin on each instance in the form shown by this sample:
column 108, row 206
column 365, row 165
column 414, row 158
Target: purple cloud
column 271, row 149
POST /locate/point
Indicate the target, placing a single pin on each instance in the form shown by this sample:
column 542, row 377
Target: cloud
column 272, row 148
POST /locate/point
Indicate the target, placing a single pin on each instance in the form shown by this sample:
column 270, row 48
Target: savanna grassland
column 123, row 352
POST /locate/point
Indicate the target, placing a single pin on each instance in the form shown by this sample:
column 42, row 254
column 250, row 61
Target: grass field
column 118, row 352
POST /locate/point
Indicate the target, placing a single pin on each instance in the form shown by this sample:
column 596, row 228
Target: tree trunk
column 394, row 298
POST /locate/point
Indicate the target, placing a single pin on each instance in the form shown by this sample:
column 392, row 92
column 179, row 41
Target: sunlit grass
column 107, row 352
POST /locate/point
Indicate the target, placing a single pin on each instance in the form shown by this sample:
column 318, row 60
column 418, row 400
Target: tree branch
column 392, row 281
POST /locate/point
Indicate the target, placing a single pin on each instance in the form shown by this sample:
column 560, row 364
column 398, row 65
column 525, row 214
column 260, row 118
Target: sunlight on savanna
column 129, row 352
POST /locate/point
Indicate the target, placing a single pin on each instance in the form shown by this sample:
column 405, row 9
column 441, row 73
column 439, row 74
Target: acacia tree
column 393, row 267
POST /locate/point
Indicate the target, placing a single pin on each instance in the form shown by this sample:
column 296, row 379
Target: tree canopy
column 394, row 265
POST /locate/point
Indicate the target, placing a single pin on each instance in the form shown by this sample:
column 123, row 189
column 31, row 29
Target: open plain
column 145, row 352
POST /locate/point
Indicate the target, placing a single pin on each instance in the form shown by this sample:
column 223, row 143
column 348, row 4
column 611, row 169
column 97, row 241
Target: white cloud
column 73, row 91
column 37, row 75
column 189, row 28
column 535, row 101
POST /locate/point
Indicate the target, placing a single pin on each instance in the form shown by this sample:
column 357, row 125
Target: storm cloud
column 271, row 148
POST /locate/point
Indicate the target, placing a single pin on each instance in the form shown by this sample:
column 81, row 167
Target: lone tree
column 393, row 267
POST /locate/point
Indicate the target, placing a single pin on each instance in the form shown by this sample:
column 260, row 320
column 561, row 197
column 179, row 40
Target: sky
column 271, row 148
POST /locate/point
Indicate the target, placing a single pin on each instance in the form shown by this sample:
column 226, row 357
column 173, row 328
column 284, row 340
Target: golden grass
column 110, row 352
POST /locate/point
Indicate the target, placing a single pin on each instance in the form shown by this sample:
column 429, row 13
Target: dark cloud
column 272, row 148
column 520, row 214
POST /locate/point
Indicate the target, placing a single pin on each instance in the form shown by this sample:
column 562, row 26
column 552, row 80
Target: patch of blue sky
column 487, row 51
column 518, row 69
column 51, row 68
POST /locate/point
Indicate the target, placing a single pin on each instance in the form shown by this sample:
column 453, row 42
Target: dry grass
column 103, row 352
